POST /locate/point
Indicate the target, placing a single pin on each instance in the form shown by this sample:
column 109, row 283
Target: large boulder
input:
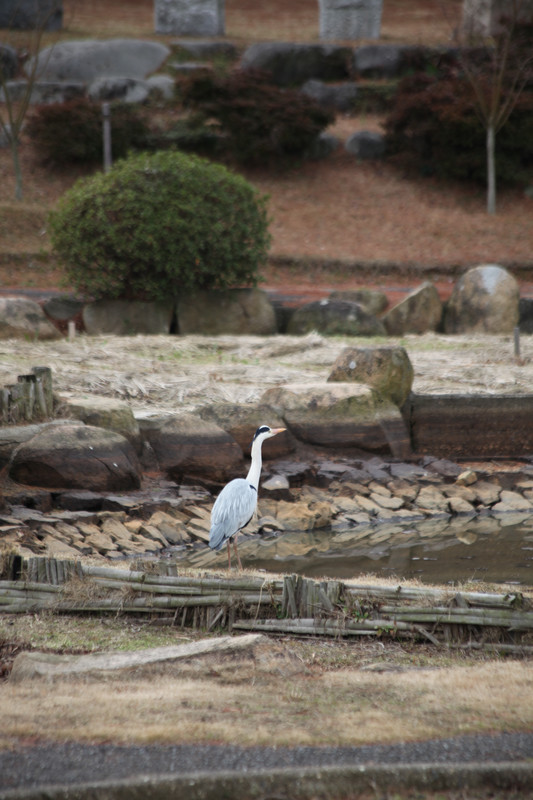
column 230, row 311
column 206, row 49
column 289, row 63
column 104, row 412
column 334, row 318
column 63, row 307
column 340, row 97
column 366, row 145
column 241, row 420
column 340, row 415
column 43, row 92
column 419, row 312
column 87, row 60
column 76, row 456
column 188, row 447
column 392, row 60
column 484, row 300
column 21, row 318
column 8, row 59
column 373, row 300
column 11, row 436
column 129, row 90
column 387, row 369
column 127, row 317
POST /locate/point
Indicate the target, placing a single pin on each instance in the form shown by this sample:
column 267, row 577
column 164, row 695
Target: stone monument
column 190, row 17
column 483, row 17
column 350, row 19
column 46, row 15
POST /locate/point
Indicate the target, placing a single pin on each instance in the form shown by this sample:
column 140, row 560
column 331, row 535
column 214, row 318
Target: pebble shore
column 345, row 496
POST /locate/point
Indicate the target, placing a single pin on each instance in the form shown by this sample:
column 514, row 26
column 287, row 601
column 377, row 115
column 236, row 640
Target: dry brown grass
column 312, row 707
column 162, row 373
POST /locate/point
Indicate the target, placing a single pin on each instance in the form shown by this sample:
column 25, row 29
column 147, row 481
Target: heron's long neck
column 255, row 467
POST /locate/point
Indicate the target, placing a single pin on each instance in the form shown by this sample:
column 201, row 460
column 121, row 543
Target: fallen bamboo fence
column 278, row 605
column 31, row 398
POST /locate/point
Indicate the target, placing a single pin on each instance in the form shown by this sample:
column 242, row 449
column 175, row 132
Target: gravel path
column 72, row 763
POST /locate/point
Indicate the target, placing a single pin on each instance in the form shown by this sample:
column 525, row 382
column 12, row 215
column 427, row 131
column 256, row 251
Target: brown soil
column 334, row 223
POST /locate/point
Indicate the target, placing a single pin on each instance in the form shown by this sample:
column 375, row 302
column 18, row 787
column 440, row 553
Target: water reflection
column 485, row 548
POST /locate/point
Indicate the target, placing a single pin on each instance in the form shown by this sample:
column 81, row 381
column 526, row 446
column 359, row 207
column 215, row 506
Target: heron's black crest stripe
column 262, row 429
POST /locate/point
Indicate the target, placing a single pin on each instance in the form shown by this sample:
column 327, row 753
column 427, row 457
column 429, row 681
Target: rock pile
column 485, row 299
column 344, row 495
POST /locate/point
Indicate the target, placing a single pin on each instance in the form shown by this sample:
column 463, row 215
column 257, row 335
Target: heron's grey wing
column 233, row 509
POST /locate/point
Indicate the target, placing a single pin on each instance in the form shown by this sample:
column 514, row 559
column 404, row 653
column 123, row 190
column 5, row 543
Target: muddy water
column 484, row 549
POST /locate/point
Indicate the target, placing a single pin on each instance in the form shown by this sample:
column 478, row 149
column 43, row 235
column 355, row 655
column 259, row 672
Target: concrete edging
column 330, row 782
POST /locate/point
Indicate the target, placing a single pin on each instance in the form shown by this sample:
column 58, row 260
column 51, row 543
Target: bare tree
column 498, row 77
column 16, row 97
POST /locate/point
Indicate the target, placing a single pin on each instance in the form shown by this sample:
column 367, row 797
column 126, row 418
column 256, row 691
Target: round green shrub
column 158, row 225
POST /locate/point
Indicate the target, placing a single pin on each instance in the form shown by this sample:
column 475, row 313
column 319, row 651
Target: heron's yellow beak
column 274, row 431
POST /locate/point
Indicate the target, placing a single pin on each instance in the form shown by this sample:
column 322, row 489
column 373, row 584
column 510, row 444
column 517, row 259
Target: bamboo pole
column 4, row 405
column 45, row 394
column 189, row 591
column 232, row 584
column 27, row 383
column 402, row 593
column 30, row 586
column 337, row 628
column 515, row 620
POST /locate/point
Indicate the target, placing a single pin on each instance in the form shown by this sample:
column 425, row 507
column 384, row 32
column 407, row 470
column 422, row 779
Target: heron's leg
column 229, row 555
column 236, row 551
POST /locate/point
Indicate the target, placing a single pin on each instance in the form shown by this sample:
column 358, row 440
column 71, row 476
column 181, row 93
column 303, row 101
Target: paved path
column 73, row 764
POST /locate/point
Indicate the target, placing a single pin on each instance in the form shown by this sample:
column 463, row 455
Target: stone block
column 22, row 318
column 126, row 318
column 230, row 311
column 340, row 415
column 484, row 300
column 387, row 369
column 366, row 145
column 290, row 64
column 485, row 426
column 419, row 312
column 334, row 318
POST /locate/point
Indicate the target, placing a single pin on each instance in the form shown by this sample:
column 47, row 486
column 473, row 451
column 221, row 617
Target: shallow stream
column 482, row 549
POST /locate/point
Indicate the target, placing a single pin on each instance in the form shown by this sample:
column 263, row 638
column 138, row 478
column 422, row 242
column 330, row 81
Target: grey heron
column 236, row 503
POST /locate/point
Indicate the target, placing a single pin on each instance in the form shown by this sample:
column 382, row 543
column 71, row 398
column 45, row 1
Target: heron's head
column 264, row 432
